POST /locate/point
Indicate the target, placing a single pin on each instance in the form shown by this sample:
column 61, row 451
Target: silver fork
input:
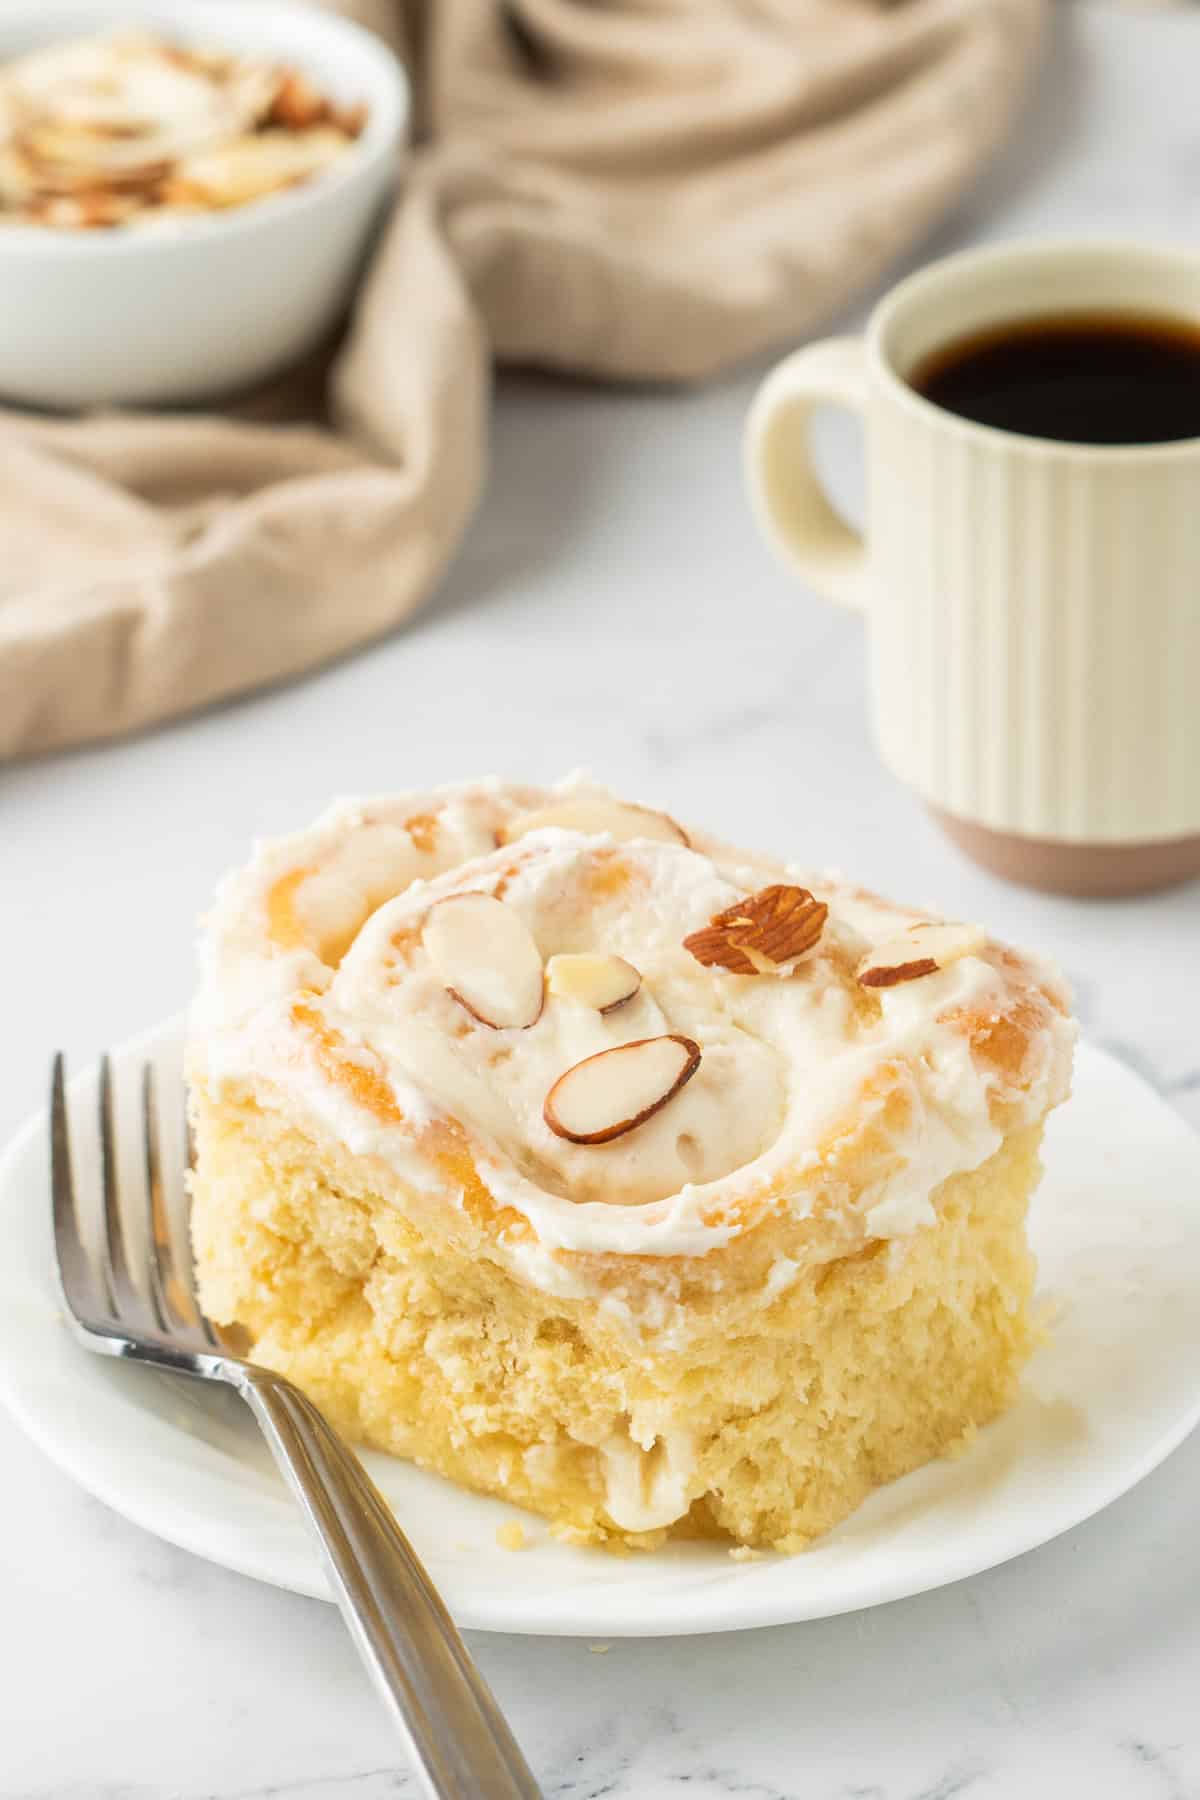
column 455, row 1732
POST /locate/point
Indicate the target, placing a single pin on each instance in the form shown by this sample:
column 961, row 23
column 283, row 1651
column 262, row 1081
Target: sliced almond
column 247, row 168
column 485, row 954
column 599, row 814
column 297, row 104
column 600, row 981
column 761, row 934
column 920, row 949
column 606, row 1095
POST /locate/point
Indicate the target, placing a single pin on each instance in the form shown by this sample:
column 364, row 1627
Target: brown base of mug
column 1087, row 871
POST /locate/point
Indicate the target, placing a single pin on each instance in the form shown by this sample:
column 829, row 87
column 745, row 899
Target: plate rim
column 774, row 1605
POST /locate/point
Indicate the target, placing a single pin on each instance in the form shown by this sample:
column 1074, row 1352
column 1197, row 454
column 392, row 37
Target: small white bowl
column 189, row 308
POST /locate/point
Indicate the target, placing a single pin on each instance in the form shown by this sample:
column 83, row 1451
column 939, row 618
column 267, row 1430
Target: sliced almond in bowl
column 485, row 954
column 921, row 949
column 593, row 980
column 608, row 1094
column 594, row 815
column 297, row 105
column 247, row 168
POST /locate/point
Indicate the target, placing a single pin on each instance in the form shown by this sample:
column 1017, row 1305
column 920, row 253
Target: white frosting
column 724, row 1119
column 646, row 1486
column 784, row 1060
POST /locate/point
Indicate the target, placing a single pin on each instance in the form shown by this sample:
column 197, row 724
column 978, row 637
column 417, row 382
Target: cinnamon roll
column 652, row 1185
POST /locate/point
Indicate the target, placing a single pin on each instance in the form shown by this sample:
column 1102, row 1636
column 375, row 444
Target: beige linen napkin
column 644, row 189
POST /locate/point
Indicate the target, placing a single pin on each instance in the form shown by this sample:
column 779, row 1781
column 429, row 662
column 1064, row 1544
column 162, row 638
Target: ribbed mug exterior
column 1035, row 628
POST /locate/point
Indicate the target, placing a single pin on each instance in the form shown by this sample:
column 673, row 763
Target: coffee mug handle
column 789, row 502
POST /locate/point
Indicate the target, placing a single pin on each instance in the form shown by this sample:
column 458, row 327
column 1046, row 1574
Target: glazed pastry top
column 611, row 1034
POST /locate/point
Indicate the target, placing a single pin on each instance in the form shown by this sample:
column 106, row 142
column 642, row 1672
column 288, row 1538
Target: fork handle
column 455, row 1732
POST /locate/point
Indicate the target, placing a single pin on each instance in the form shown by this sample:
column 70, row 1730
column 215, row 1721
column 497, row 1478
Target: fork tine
column 75, row 1273
column 127, row 1303
column 111, row 1242
column 158, row 1234
column 171, row 1258
column 189, row 1136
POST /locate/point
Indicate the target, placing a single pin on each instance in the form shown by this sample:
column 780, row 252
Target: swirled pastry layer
column 615, row 1043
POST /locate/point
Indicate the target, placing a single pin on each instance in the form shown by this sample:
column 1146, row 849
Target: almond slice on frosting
column 595, row 815
column 485, row 954
column 606, row 1095
column 600, row 981
column 762, row 933
column 920, row 949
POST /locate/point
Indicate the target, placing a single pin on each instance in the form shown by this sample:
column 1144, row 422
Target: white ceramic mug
column 1034, row 605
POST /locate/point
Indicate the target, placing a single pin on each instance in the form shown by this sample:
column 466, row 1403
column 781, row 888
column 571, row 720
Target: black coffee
column 1085, row 378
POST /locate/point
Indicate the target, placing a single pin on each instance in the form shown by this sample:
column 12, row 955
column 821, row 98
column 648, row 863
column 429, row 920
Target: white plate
column 1116, row 1225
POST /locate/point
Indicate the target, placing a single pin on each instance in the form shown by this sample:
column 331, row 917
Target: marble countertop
column 612, row 608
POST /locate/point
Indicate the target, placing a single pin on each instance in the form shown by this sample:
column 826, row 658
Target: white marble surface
column 612, row 608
